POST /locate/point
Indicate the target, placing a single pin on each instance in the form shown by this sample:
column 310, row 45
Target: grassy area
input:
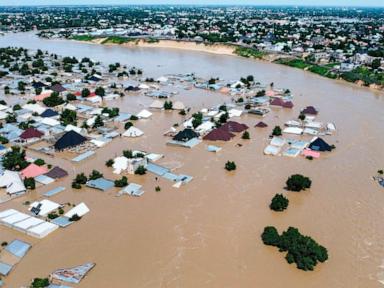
column 325, row 71
column 249, row 52
column 117, row 40
column 151, row 40
column 83, row 37
column 364, row 74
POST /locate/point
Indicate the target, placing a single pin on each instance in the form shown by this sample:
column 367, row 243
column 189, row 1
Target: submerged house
column 185, row 135
column 219, row 135
column 309, row 110
column 31, row 134
column 69, row 139
column 320, row 145
column 12, row 182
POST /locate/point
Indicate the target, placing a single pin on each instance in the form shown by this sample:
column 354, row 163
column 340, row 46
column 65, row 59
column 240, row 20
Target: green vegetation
column 325, row 70
column 277, row 131
column 83, row 37
column 112, row 112
column 367, row 76
column 15, row 159
column 39, row 162
column 109, row 163
column 141, row 170
column 3, row 140
column 249, row 52
column 279, row 203
column 168, row 105
column 81, row 178
column 298, row 183
column 121, row 182
column 52, row 215
column 230, row 166
column 53, row 100
column 68, row 117
column 74, row 217
column 30, row 183
column 302, row 250
column 40, row 283
column 117, row 40
column 197, row 119
column 95, row 175
column 128, row 125
column 157, row 189
column 246, row 135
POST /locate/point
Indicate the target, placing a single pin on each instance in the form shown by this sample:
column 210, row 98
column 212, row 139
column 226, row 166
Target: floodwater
column 207, row 233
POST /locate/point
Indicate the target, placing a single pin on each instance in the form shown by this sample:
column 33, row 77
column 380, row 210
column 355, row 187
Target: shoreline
column 216, row 49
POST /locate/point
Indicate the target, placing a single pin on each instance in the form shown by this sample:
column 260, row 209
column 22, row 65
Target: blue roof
column 62, row 221
column 18, row 248
column 54, row 191
column 49, row 113
column 83, row 156
column 122, row 117
column 101, row 184
column 5, row 269
column 157, row 169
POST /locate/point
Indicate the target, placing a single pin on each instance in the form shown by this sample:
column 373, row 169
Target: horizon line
column 196, row 5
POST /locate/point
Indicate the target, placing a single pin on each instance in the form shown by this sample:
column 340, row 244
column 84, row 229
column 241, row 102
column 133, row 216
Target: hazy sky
column 201, row 2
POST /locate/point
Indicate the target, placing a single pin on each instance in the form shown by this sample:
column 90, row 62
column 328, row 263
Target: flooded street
column 207, row 233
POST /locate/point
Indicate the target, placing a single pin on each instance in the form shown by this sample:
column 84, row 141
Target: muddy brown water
column 207, row 233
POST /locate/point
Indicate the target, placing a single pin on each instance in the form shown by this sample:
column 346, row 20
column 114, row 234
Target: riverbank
column 233, row 50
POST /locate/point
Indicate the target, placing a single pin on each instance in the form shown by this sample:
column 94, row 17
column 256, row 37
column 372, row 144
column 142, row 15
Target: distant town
column 344, row 43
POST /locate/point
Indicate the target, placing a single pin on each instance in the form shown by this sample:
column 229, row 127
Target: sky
column 376, row 3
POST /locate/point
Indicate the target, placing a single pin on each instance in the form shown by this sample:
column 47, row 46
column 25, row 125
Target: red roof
column 232, row 126
column 219, row 135
column 261, row 125
column 277, row 102
column 288, row 104
column 31, row 133
column 33, row 171
column 310, row 110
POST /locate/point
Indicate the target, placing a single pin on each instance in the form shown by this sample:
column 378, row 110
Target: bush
column 52, row 215
column 157, row 189
column 3, row 140
column 81, row 178
column 301, row 249
column 76, row 185
column 134, row 118
column 141, row 170
column 230, row 166
column 182, row 112
column 15, row 159
column 109, row 163
column 121, row 182
column 95, row 175
column 30, row 183
column 279, row 203
column 4, row 243
column 61, row 211
column 40, row 283
column 246, row 135
column 270, row 236
column 128, row 125
column 53, row 100
column 277, row 131
column 39, row 162
column 168, row 105
column 75, row 217
column 298, row 182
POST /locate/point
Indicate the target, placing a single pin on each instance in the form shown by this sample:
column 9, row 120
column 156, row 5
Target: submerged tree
column 230, row 166
column 298, row 182
column 279, row 203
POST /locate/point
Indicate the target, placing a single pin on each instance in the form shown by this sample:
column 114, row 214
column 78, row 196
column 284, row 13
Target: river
column 207, row 233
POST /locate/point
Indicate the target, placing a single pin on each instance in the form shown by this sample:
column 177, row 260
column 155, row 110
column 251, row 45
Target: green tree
column 95, row 175
column 230, row 166
column 277, row 131
column 279, row 203
column 30, row 183
column 298, row 182
column 141, row 170
column 15, row 159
